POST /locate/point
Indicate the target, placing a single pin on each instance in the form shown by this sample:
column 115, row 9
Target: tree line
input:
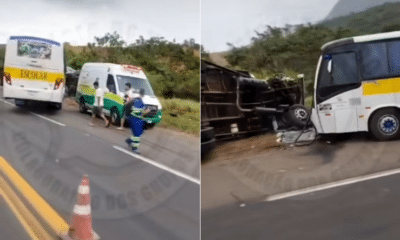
column 172, row 68
column 295, row 49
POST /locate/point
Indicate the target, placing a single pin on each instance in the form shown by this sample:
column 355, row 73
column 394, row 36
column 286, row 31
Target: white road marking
column 43, row 117
column 4, row 101
column 159, row 165
column 49, row 119
column 332, row 185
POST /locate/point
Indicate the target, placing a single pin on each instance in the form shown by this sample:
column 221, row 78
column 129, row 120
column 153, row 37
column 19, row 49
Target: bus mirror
column 330, row 66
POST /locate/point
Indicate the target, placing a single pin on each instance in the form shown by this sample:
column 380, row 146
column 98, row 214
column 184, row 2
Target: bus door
column 338, row 93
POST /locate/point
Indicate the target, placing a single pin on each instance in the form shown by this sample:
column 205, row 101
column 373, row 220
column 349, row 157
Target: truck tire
column 298, row 115
column 384, row 124
column 82, row 106
column 208, row 141
column 207, row 134
column 207, row 147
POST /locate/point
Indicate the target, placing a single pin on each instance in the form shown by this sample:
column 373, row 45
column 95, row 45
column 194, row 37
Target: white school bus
column 357, row 86
column 34, row 70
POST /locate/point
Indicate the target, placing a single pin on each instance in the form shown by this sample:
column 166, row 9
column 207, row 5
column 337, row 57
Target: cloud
column 78, row 22
column 236, row 21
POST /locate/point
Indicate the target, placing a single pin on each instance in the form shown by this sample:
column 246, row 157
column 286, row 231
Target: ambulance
column 34, row 70
column 112, row 79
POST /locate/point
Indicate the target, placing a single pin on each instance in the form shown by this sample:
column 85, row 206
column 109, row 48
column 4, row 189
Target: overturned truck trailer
column 233, row 104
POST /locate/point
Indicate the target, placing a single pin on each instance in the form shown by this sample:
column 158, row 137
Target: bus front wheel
column 384, row 124
column 58, row 106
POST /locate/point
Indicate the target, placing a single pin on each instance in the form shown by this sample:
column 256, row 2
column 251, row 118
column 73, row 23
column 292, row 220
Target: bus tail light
column 58, row 83
column 7, row 78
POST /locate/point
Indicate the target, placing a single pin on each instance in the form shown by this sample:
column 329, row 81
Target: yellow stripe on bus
column 382, row 86
column 28, row 74
column 56, row 222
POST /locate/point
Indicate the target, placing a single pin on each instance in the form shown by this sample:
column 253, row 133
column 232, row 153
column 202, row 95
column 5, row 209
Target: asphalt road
column 132, row 198
column 364, row 210
column 10, row 227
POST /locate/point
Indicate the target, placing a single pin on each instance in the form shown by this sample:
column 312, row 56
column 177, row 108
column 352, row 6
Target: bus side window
column 111, row 84
column 374, row 61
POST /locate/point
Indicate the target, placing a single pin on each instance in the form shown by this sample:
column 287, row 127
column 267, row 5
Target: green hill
column 346, row 7
column 278, row 50
column 383, row 18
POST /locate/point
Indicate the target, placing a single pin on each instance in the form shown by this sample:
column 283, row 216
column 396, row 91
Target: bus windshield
column 34, row 50
column 338, row 73
column 136, row 83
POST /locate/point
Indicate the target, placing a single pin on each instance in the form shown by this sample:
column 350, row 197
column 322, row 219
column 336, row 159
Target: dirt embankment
column 244, row 147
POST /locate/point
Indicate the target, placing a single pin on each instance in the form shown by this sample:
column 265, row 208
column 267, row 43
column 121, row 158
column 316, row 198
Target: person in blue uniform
column 136, row 121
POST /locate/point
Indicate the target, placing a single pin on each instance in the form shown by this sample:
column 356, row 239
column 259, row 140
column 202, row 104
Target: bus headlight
column 325, row 107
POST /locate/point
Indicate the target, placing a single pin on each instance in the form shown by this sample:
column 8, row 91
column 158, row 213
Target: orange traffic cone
column 81, row 224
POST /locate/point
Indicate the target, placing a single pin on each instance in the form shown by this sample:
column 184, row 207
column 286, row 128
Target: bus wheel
column 115, row 117
column 58, row 106
column 384, row 124
column 20, row 103
column 82, row 107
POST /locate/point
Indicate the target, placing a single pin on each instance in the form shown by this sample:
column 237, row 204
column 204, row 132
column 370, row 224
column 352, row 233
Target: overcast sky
column 234, row 21
column 78, row 21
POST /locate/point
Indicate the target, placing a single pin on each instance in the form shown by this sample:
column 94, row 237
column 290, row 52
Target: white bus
column 357, row 86
column 34, row 70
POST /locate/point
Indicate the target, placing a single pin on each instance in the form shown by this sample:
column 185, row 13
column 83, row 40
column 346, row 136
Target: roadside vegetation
column 173, row 68
column 181, row 114
column 295, row 49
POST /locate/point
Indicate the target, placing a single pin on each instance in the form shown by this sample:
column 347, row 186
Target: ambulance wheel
column 115, row 117
column 149, row 126
column 384, row 124
column 298, row 115
column 82, row 106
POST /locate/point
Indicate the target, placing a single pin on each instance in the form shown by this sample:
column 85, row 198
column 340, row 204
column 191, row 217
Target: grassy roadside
column 181, row 114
